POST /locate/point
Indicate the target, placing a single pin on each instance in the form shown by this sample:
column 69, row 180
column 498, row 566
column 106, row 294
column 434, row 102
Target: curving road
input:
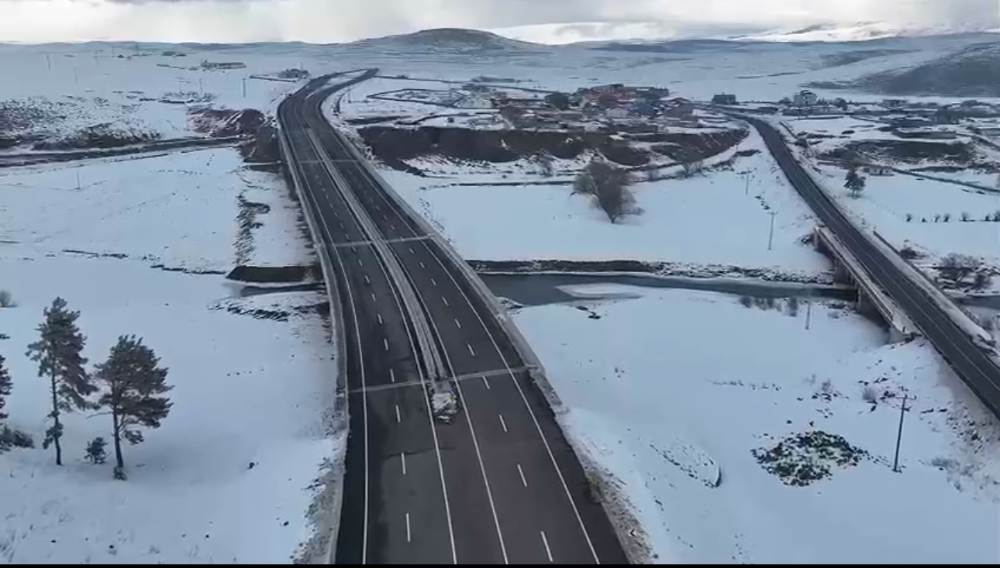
column 968, row 360
column 500, row 483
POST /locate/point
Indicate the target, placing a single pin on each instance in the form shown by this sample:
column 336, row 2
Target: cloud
column 344, row 20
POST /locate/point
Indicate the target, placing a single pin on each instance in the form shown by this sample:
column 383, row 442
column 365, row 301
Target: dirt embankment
column 395, row 145
column 907, row 151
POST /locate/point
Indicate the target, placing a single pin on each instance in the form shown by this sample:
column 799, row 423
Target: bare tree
column 690, row 169
column 6, row 300
column 608, row 187
column 546, row 164
column 59, row 356
column 957, row 267
column 135, row 387
column 5, row 387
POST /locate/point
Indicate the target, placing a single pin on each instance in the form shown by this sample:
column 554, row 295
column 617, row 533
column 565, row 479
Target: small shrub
column 96, row 454
column 946, row 217
column 937, row 218
column 907, row 252
column 909, row 217
column 870, row 394
column 996, row 217
column 6, row 300
column 11, row 438
column 923, row 219
column 747, row 301
column 966, row 217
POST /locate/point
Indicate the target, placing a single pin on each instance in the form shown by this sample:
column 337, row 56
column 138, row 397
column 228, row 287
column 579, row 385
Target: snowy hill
column 448, row 40
column 971, row 72
column 865, row 31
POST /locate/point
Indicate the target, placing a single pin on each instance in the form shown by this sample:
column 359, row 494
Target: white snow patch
column 699, row 370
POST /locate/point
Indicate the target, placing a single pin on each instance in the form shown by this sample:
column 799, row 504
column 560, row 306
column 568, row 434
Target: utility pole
column 201, row 86
column 48, row 61
column 746, row 189
column 78, row 187
column 76, row 75
column 770, row 236
column 244, row 87
column 899, row 435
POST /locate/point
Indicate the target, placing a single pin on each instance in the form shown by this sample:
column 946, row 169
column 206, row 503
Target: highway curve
column 500, row 483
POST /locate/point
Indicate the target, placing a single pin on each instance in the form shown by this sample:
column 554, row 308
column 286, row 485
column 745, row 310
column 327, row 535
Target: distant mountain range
column 458, row 39
column 865, row 31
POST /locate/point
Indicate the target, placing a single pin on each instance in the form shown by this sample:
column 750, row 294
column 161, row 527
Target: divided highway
column 499, row 483
column 969, row 361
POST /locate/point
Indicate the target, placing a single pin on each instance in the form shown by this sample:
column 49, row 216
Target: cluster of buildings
column 625, row 107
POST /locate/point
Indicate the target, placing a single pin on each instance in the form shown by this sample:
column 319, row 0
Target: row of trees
column 130, row 385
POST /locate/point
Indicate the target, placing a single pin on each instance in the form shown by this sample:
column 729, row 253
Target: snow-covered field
column 711, row 218
column 661, row 390
column 131, row 87
column 887, row 200
column 228, row 476
column 667, row 387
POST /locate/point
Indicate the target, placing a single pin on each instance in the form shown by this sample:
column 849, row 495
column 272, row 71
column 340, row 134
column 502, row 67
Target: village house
column 724, row 99
column 805, row 98
column 878, row 170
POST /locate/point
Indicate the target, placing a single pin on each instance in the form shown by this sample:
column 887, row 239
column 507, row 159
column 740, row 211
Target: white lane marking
column 359, row 262
column 434, row 282
column 545, row 541
column 445, row 300
column 364, row 413
column 524, row 398
column 384, row 217
column 411, row 251
column 486, row 382
column 367, row 280
column 422, row 265
column 524, row 481
column 403, row 458
column 503, row 423
column 392, row 227
column 374, row 299
column 379, row 316
column 385, row 343
column 458, row 323
column 341, row 225
column 408, row 533
column 471, row 350
column 392, row 375
column 398, row 418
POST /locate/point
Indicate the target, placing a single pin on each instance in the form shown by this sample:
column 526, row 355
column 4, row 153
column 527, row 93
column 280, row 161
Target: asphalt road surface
column 500, row 483
column 968, row 360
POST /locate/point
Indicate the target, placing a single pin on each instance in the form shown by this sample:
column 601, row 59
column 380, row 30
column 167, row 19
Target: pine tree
column 59, row 356
column 5, row 387
column 96, row 453
column 133, row 382
column 855, row 183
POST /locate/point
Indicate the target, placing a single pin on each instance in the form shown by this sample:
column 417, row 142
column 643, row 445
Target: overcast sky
column 324, row 21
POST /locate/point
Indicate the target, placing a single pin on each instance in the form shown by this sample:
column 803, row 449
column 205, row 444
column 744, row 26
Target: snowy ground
column 887, row 200
column 680, row 394
column 707, row 219
column 227, row 477
column 87, row 85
